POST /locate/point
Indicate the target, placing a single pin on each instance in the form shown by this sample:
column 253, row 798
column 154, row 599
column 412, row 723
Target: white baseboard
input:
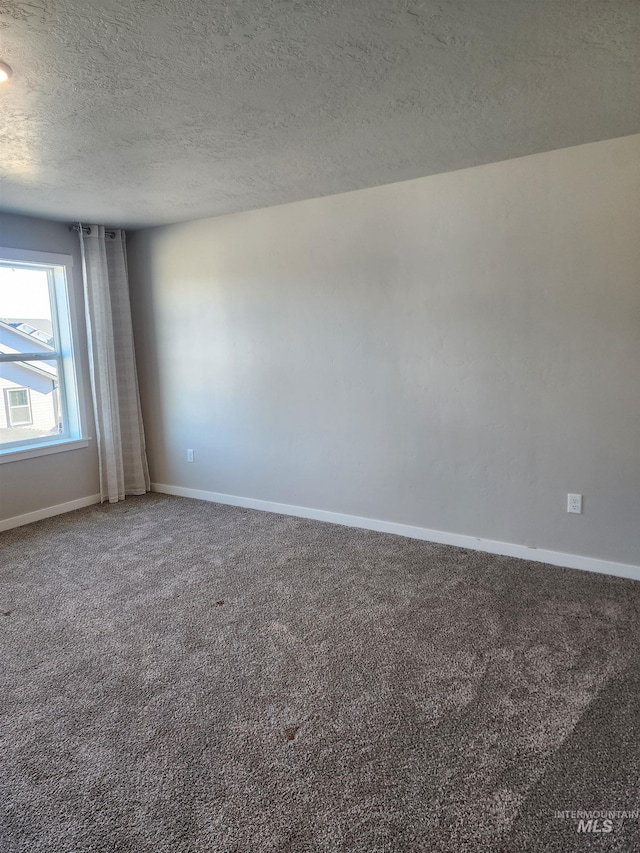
column 48, row 512
column 490, row 546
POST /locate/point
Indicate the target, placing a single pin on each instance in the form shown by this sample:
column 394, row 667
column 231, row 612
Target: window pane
column 18, row 398
column 25, row 308
column 38, row 395
column 20, row 415
column 30, row 401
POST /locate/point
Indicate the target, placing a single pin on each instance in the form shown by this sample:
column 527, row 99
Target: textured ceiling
column 152, row 111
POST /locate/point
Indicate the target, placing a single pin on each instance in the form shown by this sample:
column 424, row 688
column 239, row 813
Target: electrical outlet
column 574, row 504
column 189, row 455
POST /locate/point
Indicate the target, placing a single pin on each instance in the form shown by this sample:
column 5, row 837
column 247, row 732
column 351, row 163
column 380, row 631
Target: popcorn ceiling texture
column 184, row 677
column 162, row 110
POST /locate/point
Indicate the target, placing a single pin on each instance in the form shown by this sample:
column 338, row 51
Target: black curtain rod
column 87, row 230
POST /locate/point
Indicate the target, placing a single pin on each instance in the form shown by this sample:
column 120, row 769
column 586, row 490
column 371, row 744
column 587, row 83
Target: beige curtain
column 114, row 381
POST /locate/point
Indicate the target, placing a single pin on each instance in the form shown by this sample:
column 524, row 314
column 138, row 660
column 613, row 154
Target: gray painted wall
column 456, row 352
column 33, row 484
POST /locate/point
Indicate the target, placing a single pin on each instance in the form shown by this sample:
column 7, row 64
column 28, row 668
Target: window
column 37, row 367
column 19, row 406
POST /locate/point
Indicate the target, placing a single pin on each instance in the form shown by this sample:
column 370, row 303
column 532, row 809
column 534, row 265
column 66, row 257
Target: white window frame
column 8, row 392
column 64, row 322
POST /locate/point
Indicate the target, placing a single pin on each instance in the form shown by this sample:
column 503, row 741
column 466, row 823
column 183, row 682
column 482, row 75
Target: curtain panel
column 114, row 380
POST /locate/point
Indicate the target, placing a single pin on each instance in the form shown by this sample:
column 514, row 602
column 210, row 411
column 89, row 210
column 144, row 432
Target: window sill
column 17, row 454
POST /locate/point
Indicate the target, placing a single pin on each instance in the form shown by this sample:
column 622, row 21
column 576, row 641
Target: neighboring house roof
column 15, row 328
column 26, row 329
column 40, row 324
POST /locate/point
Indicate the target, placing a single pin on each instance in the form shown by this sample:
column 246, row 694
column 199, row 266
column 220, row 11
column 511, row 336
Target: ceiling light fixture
column 5, row 72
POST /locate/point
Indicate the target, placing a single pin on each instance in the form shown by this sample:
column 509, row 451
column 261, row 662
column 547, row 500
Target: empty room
column 319, row 426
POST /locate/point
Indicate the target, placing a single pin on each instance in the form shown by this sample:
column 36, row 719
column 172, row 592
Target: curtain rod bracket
column 78, row 227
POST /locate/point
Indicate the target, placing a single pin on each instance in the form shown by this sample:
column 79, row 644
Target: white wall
column 456, row 352
column 34, row 484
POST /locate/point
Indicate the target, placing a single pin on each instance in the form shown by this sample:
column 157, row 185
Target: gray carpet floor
column 186, row 677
